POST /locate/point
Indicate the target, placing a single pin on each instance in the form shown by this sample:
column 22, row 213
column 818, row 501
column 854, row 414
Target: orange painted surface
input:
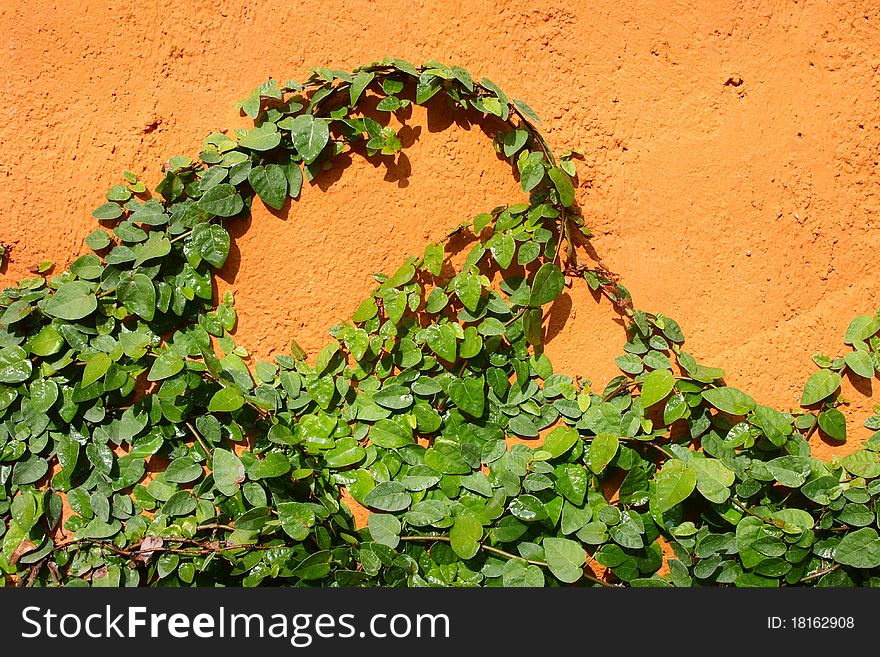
column 730, row 170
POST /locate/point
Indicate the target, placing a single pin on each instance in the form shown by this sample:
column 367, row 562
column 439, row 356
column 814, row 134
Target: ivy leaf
column 250, row 105
column 44, row 394
column 270, row 184
column 833, row 423
column 388, row 496
column 211, row 242
column 16, row 312
column 861, row 363
column 228, row 471
column 565, row 559
column 138, row 295
column 183, row 470
column 503, row 248
column 226, row 400
column 385, row 529
column 714, row 479
column 630, row 363
column 656, row 387
column 389, row 434
column 517, row 573
column 520, row 425
column 532, row 325
column 861, row 328
column 790, row 471
column 294, row 176
column 729, row 400
column 820, row 386
column 29, row 470
column 222, row 201
column 24, row 510
column 859, row 549
column 433, row 258
column 96, row 367
column 261, row 138
column 513, row 141
column 156, row 246
column 674, row 483
column 98, row 529
column 278, row 433
column 297, row 519
column 603, row 448
column 465, row 536
column 444, row 456
column 527, row 111
column 794, row 521
column 547, row 285
column 469, row 395
column 15, row 366
column 528, row 508
column 107, row 212
column 442, row 340
column 273, row 464
column 564, row 187
column 427, row 86
column 367, row 310
column 310, row 136
column 394, row 397
column 463, row 76
column 559, row 441
column 346, row 452
column 166, row 365
column 775, row 425
column 572, row 481
column 531, row 170
column 360, row 82
column 862, row 463
column 72, row 301
column 467, row 288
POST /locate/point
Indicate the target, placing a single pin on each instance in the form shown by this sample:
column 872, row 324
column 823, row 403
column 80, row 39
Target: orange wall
column 730, row 169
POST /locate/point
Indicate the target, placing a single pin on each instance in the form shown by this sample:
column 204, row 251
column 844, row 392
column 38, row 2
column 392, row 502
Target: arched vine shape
column 125, row 359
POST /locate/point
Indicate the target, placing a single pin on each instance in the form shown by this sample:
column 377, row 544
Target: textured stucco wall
column 730, row 169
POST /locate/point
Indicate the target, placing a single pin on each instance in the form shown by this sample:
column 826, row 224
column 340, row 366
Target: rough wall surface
column 730, row 170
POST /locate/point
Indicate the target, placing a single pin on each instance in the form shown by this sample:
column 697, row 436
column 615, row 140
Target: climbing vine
column 139, row 446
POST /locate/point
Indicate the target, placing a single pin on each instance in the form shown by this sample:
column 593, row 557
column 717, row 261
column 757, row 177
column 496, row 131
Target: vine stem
column 819, row 574
column 812, row 429
column 502, row 553
column 519, row 314
column 745, row 509
column 199, row 548
column 632, row 384
column 208, row 453
column 182, row 236
column 651, row 443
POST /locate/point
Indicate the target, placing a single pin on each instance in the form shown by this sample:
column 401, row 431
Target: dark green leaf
column 656, row 387
column 222, row 201
column 228, row 471
column 310, row 135
column 820, row 386
column 465, row 536
column 675, row 482
column 71, row 301
column 270, row 184
column 565, row 558
column 730, row 400
column 388, row 496
column 547, row 285
column 469, row 395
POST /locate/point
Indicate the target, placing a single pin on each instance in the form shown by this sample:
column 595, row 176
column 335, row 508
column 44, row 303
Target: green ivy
column 122, row 391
